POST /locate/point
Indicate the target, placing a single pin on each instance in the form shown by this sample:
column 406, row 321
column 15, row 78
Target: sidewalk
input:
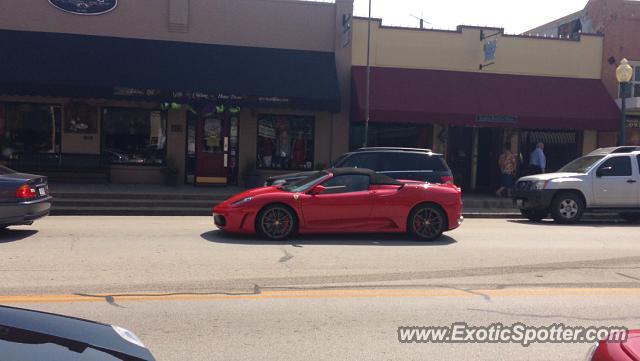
column 124, row 199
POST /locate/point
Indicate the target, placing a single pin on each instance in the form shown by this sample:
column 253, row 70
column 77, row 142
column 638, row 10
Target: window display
column 633, row 131
column 29, row 128
column 80, row 118
column 285, row 142
column 134, row 136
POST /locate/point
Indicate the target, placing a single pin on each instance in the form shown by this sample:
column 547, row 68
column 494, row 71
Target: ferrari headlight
column 592, row 351
column 539, row 185
column 242, row 201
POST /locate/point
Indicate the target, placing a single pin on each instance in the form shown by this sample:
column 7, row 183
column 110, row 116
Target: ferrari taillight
column 25, row 192
column 446, row 179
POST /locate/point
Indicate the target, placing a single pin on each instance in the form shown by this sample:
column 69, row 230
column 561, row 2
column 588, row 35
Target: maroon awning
column 484, row 99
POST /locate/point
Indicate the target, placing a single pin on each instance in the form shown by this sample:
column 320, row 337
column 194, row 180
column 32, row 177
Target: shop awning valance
column 484, row 99
column 53, row 64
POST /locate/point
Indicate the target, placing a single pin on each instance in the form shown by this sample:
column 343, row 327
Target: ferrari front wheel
column 276, row 222
column 427, row 222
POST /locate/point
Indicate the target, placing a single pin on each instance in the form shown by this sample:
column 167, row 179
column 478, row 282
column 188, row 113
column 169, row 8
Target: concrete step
column 121, row 211
column 134, row 203
column 141, row 196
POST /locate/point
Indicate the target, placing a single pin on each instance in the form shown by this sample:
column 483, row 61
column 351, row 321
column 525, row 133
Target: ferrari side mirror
column 319, row 189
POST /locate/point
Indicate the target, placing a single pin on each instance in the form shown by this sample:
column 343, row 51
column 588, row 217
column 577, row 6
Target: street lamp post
column 624, row 72
column 367, row 103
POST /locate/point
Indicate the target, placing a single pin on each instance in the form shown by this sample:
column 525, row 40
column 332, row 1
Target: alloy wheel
column 428, row 223
column 568, row 208
column 276, row 223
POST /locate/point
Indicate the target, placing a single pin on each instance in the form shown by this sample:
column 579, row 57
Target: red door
column 212, row 149
column 345, row 206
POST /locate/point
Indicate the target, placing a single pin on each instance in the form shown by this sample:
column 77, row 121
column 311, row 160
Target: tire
column 277, row 222
column 567, row 208
column 427, row 222
column 630, row 217
column 534, row 215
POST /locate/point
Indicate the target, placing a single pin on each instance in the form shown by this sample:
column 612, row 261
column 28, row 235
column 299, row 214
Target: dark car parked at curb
column 399, row 163
column 23, row 198
column 28, row 335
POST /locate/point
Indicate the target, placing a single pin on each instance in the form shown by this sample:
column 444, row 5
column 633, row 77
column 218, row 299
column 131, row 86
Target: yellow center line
column 334, row 294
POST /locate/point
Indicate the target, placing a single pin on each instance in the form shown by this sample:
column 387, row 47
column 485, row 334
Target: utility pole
column 367, row 103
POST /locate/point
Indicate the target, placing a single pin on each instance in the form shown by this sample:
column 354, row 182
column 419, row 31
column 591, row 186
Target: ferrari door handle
column 631, row 181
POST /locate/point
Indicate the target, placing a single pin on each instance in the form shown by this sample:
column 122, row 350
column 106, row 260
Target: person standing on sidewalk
column 508, row 165
column 538, row 161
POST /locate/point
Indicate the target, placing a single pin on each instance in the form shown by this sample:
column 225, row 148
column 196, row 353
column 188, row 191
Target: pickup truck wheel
column 567, row 208
column 630, row 217
column 534, row 215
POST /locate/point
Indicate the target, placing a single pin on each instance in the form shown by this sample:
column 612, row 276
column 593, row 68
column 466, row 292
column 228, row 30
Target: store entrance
column 473, row 157
column 560, row 147
column 460, row 155
column 216, row 146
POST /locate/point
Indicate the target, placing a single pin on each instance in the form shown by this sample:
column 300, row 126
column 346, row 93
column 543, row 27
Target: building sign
column 85, row 7
column 199, row 96
column 497, row 119
column 490, row 48
column 633, row 123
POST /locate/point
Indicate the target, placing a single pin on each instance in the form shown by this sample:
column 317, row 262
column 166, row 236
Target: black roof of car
column 96, row 335
column 375, row 178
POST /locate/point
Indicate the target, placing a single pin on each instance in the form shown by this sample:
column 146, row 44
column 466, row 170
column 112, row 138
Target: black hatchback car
column 399, row 163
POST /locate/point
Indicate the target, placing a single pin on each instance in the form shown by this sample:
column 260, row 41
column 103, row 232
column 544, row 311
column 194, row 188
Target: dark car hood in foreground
column 98, row 336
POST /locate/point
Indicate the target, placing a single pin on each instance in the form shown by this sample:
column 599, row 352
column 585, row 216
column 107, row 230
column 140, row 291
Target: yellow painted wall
column 462, row 50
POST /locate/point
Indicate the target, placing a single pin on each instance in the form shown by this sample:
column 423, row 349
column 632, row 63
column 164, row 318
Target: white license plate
column 520, row 203
column 42, row 191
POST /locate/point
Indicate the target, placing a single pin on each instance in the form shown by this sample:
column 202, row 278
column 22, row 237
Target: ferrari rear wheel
column 427, row 222
column 276, row 222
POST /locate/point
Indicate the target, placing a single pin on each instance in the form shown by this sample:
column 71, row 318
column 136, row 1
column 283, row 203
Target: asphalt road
column 193, row 293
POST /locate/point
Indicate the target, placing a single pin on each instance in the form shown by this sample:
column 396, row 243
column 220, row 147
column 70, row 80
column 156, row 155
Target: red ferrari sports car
column 343, row 200
column 607, row 350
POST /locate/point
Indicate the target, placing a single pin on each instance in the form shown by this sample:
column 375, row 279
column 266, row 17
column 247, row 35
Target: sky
column 515, row 16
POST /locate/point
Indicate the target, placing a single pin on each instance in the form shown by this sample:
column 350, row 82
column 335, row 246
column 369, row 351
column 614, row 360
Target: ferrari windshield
column 581, row 165
column 305, row 184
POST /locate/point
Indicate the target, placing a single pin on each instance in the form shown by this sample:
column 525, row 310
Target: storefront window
column 633, row 131
column 285, row 142
column 29, row 129
column 134, row 136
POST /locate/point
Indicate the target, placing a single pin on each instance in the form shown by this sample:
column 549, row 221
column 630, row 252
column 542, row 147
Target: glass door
column 216, row 145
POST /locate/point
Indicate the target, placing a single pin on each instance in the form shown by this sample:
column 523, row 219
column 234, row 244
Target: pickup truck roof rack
column 369, row 149
column 615, row 150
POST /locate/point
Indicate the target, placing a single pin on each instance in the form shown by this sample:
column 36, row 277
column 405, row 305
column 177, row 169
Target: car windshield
column 339, row 160
column 581, row 165
column 304, row 184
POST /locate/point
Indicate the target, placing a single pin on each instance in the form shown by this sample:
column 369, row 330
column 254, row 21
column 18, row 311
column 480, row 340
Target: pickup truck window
column 616, row 167
column 638, row 162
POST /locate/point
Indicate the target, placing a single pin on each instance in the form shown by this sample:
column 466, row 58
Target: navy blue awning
column 53, row 64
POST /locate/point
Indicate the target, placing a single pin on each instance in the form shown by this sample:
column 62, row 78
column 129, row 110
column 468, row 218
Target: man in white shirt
column 538, row 161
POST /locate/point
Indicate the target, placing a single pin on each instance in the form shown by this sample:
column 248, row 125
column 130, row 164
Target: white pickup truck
column 605, row 180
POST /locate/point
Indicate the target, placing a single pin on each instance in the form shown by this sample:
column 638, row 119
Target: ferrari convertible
column 343, row 200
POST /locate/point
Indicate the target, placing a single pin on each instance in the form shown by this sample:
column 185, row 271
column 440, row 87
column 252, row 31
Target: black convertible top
column 375, row 178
